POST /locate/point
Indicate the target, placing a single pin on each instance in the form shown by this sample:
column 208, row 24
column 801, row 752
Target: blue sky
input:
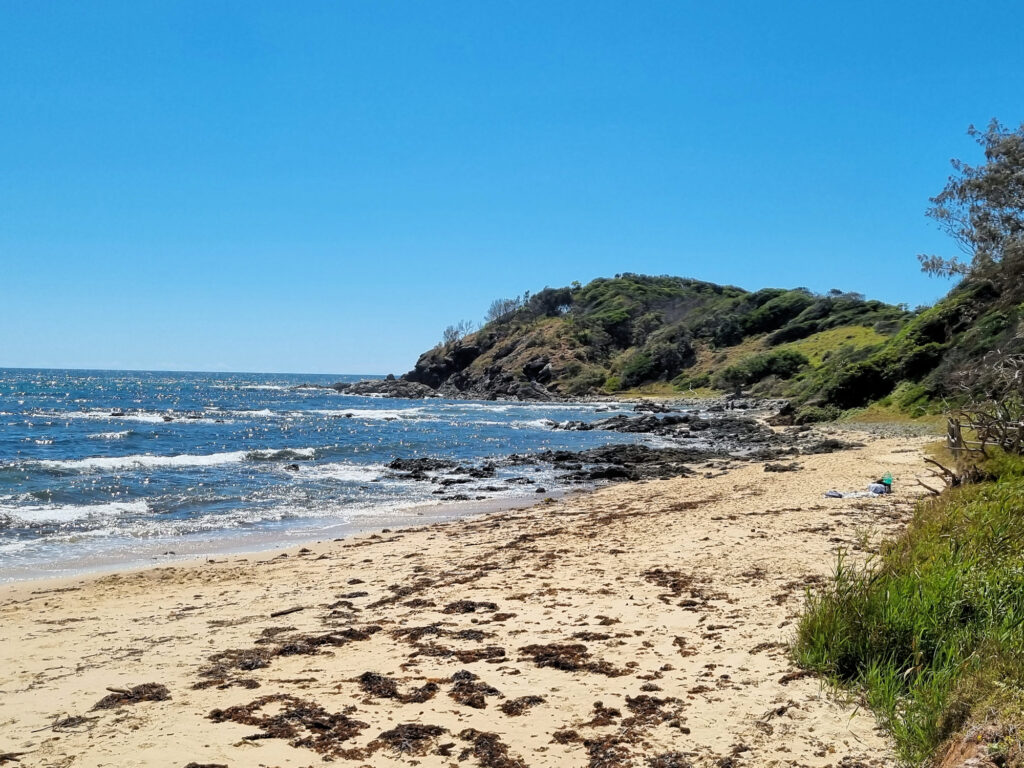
column 322, row 187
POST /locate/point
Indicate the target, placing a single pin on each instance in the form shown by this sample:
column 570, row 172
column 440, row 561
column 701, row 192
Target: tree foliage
column 982, row 208
column 501, row 309
column 783, row 363
column 456, row 332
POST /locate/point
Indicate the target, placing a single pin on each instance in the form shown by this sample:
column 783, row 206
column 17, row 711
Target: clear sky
column 322, row 187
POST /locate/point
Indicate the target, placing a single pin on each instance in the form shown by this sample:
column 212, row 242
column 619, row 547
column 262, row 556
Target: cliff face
column 633, row 331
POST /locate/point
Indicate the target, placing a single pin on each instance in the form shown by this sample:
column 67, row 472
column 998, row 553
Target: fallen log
column 286, row 611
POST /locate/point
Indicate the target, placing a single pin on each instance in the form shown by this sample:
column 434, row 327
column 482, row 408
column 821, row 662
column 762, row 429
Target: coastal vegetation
column 930, row 632
column 631, row 331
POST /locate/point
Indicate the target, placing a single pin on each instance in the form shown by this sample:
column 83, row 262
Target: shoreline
column 145, row 554
column 669, row 601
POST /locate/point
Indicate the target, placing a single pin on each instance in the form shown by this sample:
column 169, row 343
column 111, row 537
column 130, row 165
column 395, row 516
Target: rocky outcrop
column 447, row 370
column 385, row 388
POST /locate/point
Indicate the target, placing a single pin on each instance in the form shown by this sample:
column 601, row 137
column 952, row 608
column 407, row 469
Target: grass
column 931, row 631
column 879, row 413
column 817, row 346
column 711, row 360
column 664, row 389
column 654, row 389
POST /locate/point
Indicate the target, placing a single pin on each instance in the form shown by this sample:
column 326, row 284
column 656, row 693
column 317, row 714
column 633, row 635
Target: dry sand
column 669, row 602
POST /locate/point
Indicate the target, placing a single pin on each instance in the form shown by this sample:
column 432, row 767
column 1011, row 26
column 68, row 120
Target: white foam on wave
column 512, row 406
column 143, row 461
column 142, row 417
column 534, row 424
column 66, row 513
column 270, row 454
column 371, row 414
column 150, row 461
column 110, row 435
column 279, row 387
column 515, row 423
column 344, row 471
column 103, row 415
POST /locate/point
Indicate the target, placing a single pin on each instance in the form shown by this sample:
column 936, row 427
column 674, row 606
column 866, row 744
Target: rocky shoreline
column 416, row 390
column 690, row 443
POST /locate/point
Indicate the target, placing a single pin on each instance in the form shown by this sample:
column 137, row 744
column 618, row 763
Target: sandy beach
column 640, row 624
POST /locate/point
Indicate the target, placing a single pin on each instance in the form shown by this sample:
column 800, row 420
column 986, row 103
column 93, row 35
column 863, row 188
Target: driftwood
column 68, row 723
column 121, row 696
column 990, row 411
column 951, row 478
column 286, row 611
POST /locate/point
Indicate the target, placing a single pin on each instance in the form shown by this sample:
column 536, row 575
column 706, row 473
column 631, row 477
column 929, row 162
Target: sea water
column 109, row 468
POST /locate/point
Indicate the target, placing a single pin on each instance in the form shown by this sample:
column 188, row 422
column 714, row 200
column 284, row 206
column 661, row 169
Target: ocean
column 115, row 468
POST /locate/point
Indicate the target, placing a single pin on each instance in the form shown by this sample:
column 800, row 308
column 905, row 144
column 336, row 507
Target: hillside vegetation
column 673, row 335
column 631, row 331
column 678, row 336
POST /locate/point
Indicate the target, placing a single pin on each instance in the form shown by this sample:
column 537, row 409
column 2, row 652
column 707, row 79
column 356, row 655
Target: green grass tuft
column 932, row 631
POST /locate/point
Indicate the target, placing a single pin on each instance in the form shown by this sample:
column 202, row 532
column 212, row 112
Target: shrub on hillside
column 637, row 369
column 813, row 414
column 783, row 363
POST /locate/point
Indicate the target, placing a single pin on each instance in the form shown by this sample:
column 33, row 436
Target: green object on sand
column 887, row 478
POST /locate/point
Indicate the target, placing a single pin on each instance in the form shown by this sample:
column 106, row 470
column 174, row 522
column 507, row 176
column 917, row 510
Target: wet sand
column 640, row 624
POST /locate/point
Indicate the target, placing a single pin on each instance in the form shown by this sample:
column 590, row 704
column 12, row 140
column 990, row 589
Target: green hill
column 678, row 336
column 669, row 334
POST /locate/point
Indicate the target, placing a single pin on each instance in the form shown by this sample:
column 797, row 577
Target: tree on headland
column 456, row 332
column 982, row 208
column 502, row 308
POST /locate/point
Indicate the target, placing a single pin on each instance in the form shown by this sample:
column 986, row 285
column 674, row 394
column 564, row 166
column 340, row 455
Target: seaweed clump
column 569, row 657
column 376, row 684
column 324, row 731
column 121, row 696
column 470, row 690
column 603, row 716
column 470, row 606
column 223, row 667
column 669, row 760
column 516, row 707
column 408, row 738
column 488, row 749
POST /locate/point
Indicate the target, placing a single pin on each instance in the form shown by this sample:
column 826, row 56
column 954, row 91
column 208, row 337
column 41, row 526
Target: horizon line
column 183, row 370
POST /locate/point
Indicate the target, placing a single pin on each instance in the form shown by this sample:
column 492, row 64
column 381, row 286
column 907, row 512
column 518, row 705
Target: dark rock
column 385, row 388
column 828, row 445
column 784, row 417
column 421, row 464
column 535, row 369
column 791, row 467
column 652, row 406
